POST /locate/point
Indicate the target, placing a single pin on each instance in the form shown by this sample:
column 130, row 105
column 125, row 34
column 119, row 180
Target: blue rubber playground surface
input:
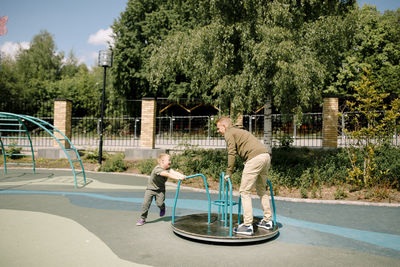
column 45, row 221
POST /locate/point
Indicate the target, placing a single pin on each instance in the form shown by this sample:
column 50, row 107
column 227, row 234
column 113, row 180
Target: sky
column 81, row 26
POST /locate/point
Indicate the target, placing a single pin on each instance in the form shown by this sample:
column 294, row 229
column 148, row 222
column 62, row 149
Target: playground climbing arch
column 15, row 134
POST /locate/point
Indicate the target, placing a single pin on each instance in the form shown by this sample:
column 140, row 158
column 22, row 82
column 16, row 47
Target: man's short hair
column 225, row 120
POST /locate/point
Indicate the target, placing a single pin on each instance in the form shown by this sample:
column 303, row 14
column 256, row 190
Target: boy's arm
column 173, row 174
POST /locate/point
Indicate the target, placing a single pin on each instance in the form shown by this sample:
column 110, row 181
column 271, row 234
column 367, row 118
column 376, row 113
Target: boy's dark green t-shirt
column 156, row 181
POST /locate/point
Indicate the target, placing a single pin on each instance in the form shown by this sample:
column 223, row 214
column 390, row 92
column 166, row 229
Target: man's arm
column 230, row 141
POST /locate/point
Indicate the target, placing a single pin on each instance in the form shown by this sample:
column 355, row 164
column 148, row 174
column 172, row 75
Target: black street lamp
column 105, row 60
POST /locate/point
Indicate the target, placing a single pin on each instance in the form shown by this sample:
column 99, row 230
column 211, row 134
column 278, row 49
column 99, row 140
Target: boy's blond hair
column 161, row 156
column 226, row 121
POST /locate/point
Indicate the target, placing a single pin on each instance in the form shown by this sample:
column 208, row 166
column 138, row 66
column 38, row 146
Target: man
column 257, row 162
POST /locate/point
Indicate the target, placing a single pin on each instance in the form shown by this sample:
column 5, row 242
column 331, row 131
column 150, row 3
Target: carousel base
column 195, row 226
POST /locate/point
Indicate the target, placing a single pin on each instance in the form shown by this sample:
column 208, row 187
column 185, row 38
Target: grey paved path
column 45, row 221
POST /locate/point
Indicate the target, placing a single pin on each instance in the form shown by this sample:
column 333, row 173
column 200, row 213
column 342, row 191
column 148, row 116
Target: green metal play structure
column 15, row 134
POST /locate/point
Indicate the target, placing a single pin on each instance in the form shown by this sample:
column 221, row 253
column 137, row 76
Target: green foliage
column 340, row 193
column 13, row 150
column 146, row 166
column 303, row 192
column 93, row 156
column 375, row 46
column 388, row 171
column 285, row 141
column 235, row 54
column 210, row 162
column 294, row 168
column 115, row 163
column 308, row 168
column 40, row 74
column 374, row 125
column 40, row 61
column 314, row 192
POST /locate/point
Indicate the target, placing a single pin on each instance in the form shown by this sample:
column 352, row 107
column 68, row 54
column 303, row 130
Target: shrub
column 290, row 167
column 115, row 163
column 285, row 141
column 314, row 192
column 374, row 125
column 388, row 166
column 340, row 194
column 93, row 156
column 14, row 150
column 303, row 192
column 210, row 162
column 147, row 166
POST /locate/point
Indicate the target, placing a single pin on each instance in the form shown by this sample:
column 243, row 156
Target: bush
column 93, row 156
column 388, row 166
column 210, row 162
column 14, row 150
column 303, row 193
column 115, row 163
column 340, row 194
column 146, row 166
column 291, row 167
column 303, row 167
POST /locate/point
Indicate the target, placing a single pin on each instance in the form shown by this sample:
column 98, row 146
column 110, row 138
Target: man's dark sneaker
column 140, row 222
column 244, row 229
column 266, row 225
column 162, row 212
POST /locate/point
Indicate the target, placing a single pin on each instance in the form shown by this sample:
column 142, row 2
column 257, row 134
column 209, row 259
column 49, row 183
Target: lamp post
column 105, row 60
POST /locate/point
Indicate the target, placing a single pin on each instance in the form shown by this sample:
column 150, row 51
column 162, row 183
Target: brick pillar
column 62, row 120
column 330, row 122
column 148, row 123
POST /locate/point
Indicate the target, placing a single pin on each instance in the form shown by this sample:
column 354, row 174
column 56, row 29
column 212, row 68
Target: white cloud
column 94, row 55
column 102, row 37
column 90, row 59
column 11, row 49
column 81, row 59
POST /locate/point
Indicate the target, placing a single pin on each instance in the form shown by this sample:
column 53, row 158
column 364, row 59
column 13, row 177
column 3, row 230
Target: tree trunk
column 268, row 124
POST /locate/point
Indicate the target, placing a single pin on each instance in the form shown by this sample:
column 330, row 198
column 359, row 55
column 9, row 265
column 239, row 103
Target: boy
column 156, row 186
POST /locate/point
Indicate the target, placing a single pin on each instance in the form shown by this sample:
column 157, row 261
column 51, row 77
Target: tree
column 83, row 89
column 214, row 50
column 374, row 125
column 376, row 47
column 142, row 24
column 8, row 85
column 70, row 67
column 39, row 66
column 40, row 74
column 239, row 55
column 241, row 61
column 41, row 60
column 331, row 38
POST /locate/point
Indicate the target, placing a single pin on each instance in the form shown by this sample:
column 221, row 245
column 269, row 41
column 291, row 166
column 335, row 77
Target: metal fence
column 285, row 129
column 175, row 131
column 346, row 122
column 201, row 130
column 122, row 130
